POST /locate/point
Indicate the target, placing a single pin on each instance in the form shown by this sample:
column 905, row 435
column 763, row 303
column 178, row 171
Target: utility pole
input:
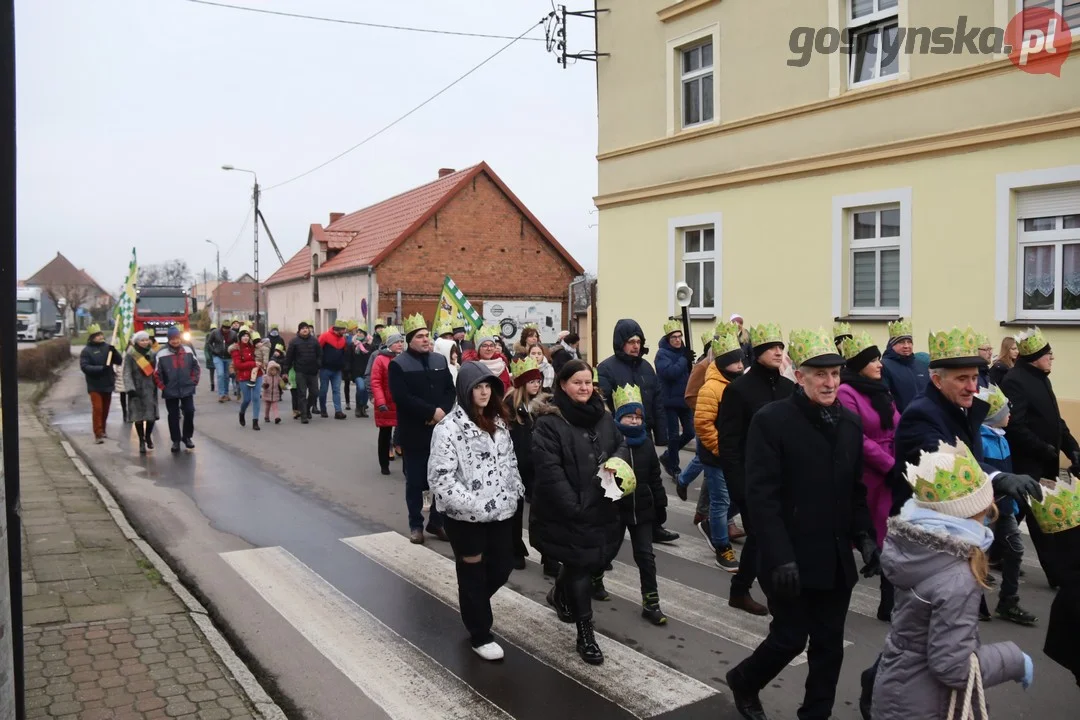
column 255, row 219
column 217, row 281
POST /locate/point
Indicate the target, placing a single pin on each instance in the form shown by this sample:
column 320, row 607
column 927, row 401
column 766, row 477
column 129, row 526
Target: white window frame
column 877, row 245
column 876, row 21
column 676, row 228
column 1059, row 8
column 1006, row 272
column 697, row 77
column 844, row 245
column 1058, row 239
column 673, row 63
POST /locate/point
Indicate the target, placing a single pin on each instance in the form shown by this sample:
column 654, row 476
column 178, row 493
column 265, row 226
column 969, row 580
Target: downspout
column 369, row 269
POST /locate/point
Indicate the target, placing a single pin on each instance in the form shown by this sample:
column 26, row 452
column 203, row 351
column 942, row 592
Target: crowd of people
column 814, row 448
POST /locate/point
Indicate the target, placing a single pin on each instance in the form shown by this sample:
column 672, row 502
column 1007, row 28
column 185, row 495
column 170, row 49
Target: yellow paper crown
column 841, row 330
column 1031, row 341
column 520, row 367
column 725, row 339
column 949, row 474
column 444, row 328
column 1059, row 510
column 390, row 330
column 901, row 328
column 983, row 339
column 626, row 394
column 624, row 474
column 852, row 346
column 766, row 333
column 672, row 326
column 995, row 398
column 707, row 337
column 808, row 344
column 953, row 344
column 415, row 322
column 487, row 333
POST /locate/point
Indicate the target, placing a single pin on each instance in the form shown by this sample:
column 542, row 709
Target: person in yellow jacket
column 728, row 365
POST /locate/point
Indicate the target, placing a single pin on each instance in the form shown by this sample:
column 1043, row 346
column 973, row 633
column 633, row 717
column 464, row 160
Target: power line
column 341, row 21
column 243, row 227
column 379, row 132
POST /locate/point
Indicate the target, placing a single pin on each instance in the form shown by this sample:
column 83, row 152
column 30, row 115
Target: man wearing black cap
column 305, row 356
column 806, row 498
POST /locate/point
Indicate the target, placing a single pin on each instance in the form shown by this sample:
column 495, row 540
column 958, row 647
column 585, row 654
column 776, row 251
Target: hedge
column 37, row 363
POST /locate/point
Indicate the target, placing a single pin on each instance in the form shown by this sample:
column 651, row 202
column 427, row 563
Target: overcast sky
column 128, row 108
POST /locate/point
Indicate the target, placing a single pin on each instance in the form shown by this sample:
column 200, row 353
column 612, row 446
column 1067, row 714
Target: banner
column 124, row 312
column 456, row 309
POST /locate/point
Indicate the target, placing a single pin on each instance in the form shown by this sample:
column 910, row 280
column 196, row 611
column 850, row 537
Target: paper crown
column 617, row 478
column 995, row 398
column 983, row 339
column 595, row 376
column 304, row 322
column 707, row 337
column 522, row 366
column 530, row 326
column 901, row 328
column 855, row 344
column 444, row 328
column 341, row 324
column 415, row 322
column 92, row 329
column 806, row 345
column 487, row 333
column 840, row 330
column 1031, row 342
column 388, row 331
column 957, row 348
column 725, row 339
column 766, row 333
column 626, row 394
column 672, row 326
column 1059, row 510
column 950, row 481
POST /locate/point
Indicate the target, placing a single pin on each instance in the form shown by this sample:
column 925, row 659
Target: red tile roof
column 60, row 271
column 298, row 267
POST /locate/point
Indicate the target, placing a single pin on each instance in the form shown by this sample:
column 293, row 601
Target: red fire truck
column 158, row 308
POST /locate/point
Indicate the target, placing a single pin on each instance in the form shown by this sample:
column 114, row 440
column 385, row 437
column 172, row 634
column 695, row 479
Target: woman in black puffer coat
column 570, row 520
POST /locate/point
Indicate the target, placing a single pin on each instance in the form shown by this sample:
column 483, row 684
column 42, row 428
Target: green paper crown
column 595, row 376
column 390, row 330
column 444, row 328
column 306, row 322
column 624, row 474
column 901, row 328
column 487, row 333
column 672, row 326
column 530, row 326
column 852, row 346
column 840, row 330
column 626, row 394
column 1031, row 341
column 92, row 329
column 520, row 367
column 1059, row 510
column 766, row 333
column 956, row 343
column 415, row 322
column 996, row 399
column 950, row 473
column 707, row 337
column 983, row 339
column 725, row 342
column 341, row 324
column 808, row 344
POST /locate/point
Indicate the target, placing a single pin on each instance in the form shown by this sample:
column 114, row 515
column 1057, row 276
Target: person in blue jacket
column 905, row 373
column 673, row 364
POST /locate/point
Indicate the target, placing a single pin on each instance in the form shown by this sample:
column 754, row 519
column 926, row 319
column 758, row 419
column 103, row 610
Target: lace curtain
column 1070, row 269
column 1039, row 270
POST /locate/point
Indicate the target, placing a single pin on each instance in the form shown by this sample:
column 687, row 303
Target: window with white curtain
column 873, row 35
column 697, row 84
column 699, row 266
column 1049, row 267
column 874, row 246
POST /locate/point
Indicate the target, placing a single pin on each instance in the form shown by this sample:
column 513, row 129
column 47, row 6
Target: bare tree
column 174, row 273
column 224, row 275
column 73, row 296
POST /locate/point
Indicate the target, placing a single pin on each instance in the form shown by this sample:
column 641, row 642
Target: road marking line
column 398, row 677
column 637, row 683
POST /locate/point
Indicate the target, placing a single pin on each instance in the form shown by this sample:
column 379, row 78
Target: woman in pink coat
column 866, row 394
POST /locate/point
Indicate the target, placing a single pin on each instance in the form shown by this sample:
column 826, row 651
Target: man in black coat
column 808, row 504
column 1037, row 434
column 423, row 390
column 759, row 386
column 628, row 366
column 305, row 356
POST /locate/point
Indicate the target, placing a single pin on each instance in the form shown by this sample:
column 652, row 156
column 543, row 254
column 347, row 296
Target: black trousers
column 748, row 560
column 641, row 540
column 308, row 391
column 175, row 406
column 385, row 434
column 574, row 587
column 144, row 428
column 1045, row 555
column 478, row 581
column 517, row 522
column 817, row 616
column 123, row 406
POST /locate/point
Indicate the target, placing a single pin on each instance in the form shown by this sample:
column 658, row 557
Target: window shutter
column 1048, row 202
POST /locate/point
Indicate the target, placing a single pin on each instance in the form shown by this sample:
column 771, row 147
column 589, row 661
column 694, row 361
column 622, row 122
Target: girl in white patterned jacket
column 475, row 483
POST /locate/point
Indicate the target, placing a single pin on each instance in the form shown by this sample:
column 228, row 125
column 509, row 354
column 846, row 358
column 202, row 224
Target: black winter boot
column 650, row 609
column 243, row 420
column 559, row 604
column 255, row 423
column 599, row 592
column 587, row 646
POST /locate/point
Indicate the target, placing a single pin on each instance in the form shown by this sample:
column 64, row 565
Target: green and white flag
column 124, row 312
column 455, row 309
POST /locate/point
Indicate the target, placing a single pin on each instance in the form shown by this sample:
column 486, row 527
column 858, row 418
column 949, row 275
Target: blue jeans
column 250, row 396
column 676, row 442
column 329, row 379
column 690, row 472
column 719, row 502
column 361, row 392
column 221, row 368
column 416, row 483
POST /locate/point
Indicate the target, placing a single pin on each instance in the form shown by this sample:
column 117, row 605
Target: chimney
column 334, row 217
column 443, row 172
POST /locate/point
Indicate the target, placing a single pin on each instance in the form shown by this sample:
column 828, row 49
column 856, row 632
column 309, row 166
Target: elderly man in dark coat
column 1037, row 434
column 905, row 374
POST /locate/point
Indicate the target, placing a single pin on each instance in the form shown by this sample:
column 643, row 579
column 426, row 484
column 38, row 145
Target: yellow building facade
column 794, row 183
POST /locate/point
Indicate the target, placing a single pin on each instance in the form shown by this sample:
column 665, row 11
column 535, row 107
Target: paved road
column 298, row 544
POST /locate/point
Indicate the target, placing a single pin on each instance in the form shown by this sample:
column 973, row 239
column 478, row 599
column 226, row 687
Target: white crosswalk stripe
column 405, row 682
column 637, row 683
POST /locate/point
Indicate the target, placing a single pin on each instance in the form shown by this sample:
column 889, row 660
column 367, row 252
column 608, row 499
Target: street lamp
column 217, row 280
column 255, row 199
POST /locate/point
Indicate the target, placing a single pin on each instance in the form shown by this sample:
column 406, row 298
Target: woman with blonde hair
column 1005, row 361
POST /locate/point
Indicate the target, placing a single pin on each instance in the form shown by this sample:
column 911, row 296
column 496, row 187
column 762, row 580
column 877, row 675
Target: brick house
column 466, row 224
column 62, row 280
column 236, row 300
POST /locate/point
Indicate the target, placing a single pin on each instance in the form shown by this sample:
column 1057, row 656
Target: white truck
column 36, row 314
column 512, row 315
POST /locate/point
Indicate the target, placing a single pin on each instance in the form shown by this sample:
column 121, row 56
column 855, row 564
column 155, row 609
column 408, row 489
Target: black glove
column 785, row 579
column 689, row 355
column 1051, row 452
column 382, row 408
column 1017, row 487
column 871, row 556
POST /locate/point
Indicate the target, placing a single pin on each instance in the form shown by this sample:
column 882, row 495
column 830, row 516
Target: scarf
column 572, row 350
column 496, row 365
column 635, row 434
column 142, row 360
column 965, row 530
column 830, row 414
column 876, row 390
column 583, row 415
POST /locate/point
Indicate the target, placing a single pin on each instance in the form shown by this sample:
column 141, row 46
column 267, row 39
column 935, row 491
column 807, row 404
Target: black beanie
column 860, row 361
column 1037, row 354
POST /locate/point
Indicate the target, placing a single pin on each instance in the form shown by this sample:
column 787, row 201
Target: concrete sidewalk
column 106, row 636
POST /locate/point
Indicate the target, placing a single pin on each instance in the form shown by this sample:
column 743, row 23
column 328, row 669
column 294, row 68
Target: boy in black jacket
column 645, row 506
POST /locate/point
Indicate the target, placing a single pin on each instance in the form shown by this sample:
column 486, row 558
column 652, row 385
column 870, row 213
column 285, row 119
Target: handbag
column 973, row 688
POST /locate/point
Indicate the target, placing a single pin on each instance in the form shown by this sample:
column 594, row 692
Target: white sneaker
column 489, row 651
